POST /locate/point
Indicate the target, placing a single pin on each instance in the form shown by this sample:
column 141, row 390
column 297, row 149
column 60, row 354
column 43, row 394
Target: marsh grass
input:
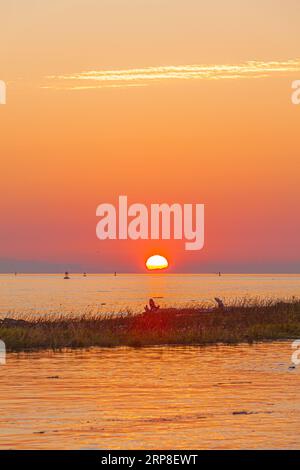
column 243, row 321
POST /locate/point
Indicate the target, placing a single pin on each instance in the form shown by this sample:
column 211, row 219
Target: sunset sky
column 163, row 101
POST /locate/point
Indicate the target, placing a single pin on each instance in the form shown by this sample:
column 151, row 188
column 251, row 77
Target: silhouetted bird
column 152, row 306
column 221, row 306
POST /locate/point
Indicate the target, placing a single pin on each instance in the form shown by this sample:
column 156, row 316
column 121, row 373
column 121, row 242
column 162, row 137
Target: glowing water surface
column 155, row 398
column 107, row 293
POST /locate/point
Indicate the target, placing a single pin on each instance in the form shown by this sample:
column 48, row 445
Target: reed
column 242, row 321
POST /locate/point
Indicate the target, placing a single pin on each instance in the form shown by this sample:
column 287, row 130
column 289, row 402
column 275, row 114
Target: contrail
column 145, row 76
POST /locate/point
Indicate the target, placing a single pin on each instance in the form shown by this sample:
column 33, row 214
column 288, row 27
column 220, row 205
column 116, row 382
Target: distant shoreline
column 124, row 273
column 238, row 323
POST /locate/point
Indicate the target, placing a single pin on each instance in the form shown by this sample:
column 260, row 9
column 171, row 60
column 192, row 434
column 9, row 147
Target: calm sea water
column 154, row 398
column 161, row 397
column 106, row 293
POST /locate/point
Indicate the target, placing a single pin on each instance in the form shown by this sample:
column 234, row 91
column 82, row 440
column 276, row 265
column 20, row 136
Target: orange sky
column 173, row 112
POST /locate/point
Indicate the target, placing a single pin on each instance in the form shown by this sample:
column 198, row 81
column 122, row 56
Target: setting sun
column 157, row 262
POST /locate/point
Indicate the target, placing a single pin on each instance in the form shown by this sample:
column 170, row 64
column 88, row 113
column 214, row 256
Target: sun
column 156, row 262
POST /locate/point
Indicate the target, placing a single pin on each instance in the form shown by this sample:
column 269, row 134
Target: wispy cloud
column 93, row 87
column 144, row 76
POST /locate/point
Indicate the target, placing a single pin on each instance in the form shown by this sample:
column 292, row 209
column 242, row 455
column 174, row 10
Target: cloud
column 144, row 76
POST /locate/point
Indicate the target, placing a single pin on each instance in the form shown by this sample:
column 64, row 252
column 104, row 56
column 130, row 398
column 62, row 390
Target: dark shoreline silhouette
column 235, row 323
